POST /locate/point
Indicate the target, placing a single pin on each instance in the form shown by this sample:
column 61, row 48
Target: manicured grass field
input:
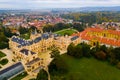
column 2, row 54
column 66, row 31
column 20, row 76
column 90, row 69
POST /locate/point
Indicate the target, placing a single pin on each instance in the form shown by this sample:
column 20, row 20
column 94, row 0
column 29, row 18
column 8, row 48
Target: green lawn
column 20, row 76
column 90, row 69
column 2, row 54
column 66, row 31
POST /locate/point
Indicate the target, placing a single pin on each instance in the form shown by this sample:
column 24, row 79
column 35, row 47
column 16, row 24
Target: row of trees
column 110, row 54
column 94, row 17
column 3, row 40
column 60, row 26
column 56, row 27
column 79, row 50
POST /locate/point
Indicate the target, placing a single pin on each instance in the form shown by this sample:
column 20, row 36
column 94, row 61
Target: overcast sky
column 38, row 4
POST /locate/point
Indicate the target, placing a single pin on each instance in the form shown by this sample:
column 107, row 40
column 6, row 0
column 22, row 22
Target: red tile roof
column 104, row 40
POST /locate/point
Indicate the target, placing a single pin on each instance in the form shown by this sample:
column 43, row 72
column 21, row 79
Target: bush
column 118, row 65
column 2, row 54
column 4, row 61
column 100, row 55
column 20, row 76
column 42, row 75
column 4, row 45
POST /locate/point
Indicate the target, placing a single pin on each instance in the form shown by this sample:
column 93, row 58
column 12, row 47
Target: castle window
column 29, row 70
column 39, row 64
column 32, row 67
column 104, row 35
column 34, row 57
column 94, row 44
column 27, row 60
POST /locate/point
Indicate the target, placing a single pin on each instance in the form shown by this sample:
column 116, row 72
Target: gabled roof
column 33, row 61
column 103, row 40
column 23, row 42
column 26, row 52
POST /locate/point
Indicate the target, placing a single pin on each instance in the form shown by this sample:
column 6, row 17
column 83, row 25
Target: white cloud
column 56, row 3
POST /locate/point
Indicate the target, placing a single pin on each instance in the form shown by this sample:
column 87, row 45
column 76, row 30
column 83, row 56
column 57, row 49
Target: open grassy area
column 66, row 31
column 2, row 54
column 90, row 69
column 20, row 76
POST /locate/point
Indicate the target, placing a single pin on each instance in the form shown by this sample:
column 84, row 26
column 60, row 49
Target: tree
column 3, row 41
column 78, row 26
column 70, row 49
column 115, row 56
column 7, row 32
column 4, row 45
column 55, row 53
column 58, row 66
column 104, row 48
column 118, row 65
column 86, row 50
column 33, row 28
column 23, row 30
column 78, row 51
column 116, row 51
column 42, row 75
column 95, row 50
column 100, row 55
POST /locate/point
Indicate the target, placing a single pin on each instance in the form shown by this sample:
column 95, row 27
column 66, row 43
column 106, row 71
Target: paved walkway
column 9, row 56
column 28, row 77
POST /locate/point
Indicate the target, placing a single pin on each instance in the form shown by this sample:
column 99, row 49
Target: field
column 66, row 31
column 90, row 69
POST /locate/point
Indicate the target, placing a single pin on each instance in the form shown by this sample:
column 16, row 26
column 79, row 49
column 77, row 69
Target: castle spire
column 35, row 31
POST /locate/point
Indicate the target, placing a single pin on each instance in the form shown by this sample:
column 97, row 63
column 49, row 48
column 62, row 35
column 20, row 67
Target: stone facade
column 27, row 51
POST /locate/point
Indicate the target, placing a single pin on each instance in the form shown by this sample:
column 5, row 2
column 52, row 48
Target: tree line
column 93, row 17
column 100, row 52
column 60, row 26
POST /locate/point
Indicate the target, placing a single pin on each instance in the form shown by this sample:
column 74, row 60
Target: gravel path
column 9, row 56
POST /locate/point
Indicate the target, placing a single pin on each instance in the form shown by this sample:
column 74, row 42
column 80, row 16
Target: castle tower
column 34, row 34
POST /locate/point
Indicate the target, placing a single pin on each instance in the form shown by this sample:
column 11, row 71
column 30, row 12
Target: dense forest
column 93, row 17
